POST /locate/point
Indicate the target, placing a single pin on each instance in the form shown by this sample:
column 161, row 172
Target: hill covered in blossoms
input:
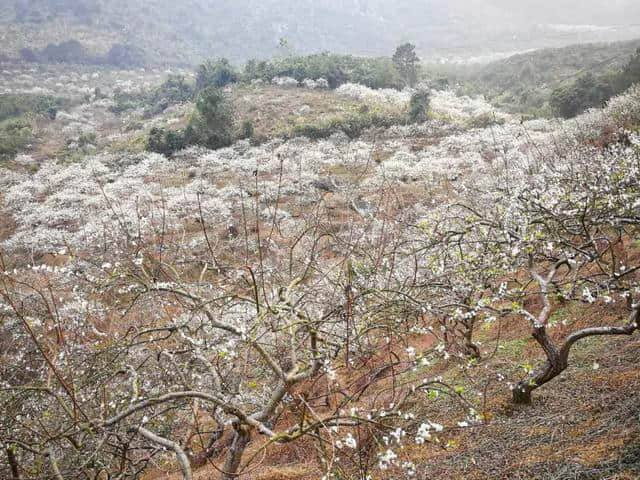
column 355, row 283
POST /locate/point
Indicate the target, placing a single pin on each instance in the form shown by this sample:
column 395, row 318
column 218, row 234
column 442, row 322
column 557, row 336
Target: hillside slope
column 554, row 65
column 524, row 82
column 148, row 263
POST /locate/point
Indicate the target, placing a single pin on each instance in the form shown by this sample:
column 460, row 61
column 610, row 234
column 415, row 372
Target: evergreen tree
column 407, row 63
column 212, row 123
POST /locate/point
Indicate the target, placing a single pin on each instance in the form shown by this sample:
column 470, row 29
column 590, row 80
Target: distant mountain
column 524, row 83
column 186, row 31
column 552, row 66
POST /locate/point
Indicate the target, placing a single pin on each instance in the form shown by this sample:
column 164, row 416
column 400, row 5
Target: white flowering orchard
column 208, row 309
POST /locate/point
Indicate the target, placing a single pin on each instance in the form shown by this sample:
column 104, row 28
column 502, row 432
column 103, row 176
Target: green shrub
column 485, row 120
column 212, row 123
column 87, row 139
column 211, row 126
column 70, row 51
column 353, row 124
column 125, row 101
column 215, row 74
column 312, row 130
column 587, row 92
column 16, row 105
column 247, row 130
column 14, row 137
column 336, row 69
column 419, row 106
column 374, row 73
column 175, row 89
column 166, row 142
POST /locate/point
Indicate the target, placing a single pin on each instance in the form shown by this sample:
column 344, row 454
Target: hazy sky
column 242, row 29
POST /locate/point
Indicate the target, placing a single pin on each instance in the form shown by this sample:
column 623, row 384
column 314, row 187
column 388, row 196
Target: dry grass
column 581, row 426
column 274, row 111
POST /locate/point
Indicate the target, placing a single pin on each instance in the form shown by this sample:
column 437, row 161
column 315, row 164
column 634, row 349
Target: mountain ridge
column 189, row 31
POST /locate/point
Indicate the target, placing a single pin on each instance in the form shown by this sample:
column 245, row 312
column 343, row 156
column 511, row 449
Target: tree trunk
column 558, row 360
column 522, row 391
column 471, row 349
column 210, row 451
column 521, row 395
column 54, row 465
column 241, row 439
column 183, row 459
column 556, row 364
column 13, row 463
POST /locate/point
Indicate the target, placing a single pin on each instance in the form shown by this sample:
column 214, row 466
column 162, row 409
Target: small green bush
column 175, row 90
column 14, row 137
column 353, row 124
column 212, row 123
column 87, row 139
column 484, row 120
column 247, row 130
column 16, row 105
column 126, row 101
column 312, row 130
column 419, row 106
column 166, row 142
column 211, row 126
column 216, row 74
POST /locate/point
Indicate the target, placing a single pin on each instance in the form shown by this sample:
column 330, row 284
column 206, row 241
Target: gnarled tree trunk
column 558, row 359
column 555, row 364
column 241, row 438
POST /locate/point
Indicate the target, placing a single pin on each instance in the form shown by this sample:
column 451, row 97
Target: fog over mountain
column 185, row 31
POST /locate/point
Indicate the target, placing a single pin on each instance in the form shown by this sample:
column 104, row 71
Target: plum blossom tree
column 568, row 224
column 203, row 310
column 156, row 342
column 579, row 222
